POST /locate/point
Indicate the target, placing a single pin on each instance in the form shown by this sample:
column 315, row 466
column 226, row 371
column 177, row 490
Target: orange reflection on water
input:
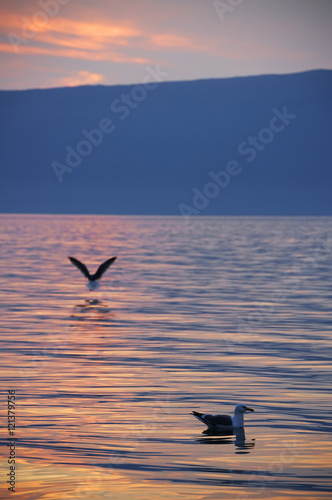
column 106, row 382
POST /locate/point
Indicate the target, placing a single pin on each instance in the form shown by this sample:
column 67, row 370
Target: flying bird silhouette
column 93, row 278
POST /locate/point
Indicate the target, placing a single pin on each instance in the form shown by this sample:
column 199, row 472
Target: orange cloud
column 81, row 78
column 76, row 54
column 9, row 21
column 85, row 40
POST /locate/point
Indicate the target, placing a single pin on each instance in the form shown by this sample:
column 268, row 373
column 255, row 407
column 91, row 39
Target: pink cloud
column 90, row 39
column 75, row 54
column 80, row 78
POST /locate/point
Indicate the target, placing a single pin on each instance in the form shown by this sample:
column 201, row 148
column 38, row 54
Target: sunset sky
column 52, row 43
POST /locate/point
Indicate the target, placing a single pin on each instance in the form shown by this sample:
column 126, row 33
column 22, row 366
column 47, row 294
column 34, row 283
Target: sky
column 60, row 43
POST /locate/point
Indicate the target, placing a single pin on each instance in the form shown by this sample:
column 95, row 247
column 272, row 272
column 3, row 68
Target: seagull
column 93, row 278
column 223, row 421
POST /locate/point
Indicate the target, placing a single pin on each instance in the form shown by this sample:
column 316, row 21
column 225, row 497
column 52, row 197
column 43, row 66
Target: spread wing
column 102, row 268
column 80, row 266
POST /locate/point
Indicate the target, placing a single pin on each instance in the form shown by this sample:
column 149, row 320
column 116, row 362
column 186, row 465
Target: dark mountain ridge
column 256, row 145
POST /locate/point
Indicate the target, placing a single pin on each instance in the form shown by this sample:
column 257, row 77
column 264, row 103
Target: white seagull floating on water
column 223, row 421
column 93, row 278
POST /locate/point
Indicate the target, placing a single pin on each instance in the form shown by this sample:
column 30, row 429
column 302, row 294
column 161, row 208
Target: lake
column 197, row 314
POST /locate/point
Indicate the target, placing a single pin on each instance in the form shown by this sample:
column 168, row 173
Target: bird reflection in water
column 234, row 436
column 93, row 308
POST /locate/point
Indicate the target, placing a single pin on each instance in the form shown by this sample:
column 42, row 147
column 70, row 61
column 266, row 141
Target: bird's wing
column 102, row 268
column 80, row 266
column 216, row 420
column 213, row 420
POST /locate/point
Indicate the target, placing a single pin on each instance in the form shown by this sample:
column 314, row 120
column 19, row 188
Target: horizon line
column 171, row 81
column 165, row 215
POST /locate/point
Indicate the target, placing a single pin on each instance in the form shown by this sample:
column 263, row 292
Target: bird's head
column 241, row 408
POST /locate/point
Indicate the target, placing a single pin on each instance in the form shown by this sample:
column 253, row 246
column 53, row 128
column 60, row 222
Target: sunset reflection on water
column 185, row 320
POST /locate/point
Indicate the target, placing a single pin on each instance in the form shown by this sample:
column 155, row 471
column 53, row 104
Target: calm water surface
column 191, row 316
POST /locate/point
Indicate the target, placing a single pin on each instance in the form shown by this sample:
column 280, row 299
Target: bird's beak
column 249, row 409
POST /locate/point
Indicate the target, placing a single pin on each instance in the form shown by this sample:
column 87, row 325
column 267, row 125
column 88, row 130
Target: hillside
column 249, row 145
